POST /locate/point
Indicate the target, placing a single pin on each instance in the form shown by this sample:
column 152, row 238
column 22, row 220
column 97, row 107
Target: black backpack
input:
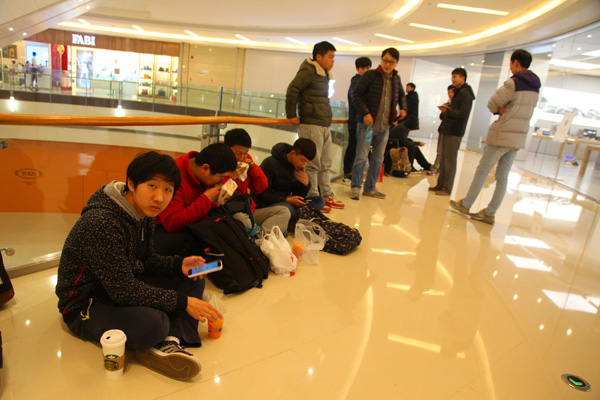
column 342, row 238
column 223, row 237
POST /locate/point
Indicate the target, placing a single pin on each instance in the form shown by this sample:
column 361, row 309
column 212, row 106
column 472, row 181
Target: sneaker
column 355, row 194
column 433, row 172
column 483, row 216
column 434, row 188
column 170, row 358
column 375, row 193
column 458, row 206
column 347, row 180
column 442, row 192
column 326, row 209
column 332, row 202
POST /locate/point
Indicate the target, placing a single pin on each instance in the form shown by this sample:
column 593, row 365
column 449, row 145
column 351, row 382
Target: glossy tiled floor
column 430, row 306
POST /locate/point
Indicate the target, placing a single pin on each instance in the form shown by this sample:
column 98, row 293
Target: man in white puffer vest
column 514, row 102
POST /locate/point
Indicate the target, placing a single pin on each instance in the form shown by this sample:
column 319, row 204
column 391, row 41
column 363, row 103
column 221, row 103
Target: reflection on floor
column 430, row 306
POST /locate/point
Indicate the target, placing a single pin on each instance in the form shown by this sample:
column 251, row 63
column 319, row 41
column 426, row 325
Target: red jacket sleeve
column 178, row 215
column 258, row 180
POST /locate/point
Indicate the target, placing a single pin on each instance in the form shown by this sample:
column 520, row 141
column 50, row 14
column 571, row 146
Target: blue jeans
column 504, row 157
column 378, row 143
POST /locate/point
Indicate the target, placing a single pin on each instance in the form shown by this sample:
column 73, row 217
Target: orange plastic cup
column 214, row 328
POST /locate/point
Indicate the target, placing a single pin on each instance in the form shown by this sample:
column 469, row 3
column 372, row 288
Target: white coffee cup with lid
column 113, row 347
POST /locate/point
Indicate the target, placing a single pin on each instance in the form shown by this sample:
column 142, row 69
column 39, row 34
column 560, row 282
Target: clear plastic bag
column 276, row 247
column 309, row 239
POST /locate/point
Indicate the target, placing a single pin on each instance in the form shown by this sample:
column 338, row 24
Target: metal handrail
column 67, row 120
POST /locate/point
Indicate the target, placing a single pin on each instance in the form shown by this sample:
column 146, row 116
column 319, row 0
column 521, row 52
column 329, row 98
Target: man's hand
column 202, row 310
column 191, row 262
column 421, row 144
column 502, row 110
column 368, row 120
column 443, row 107
column 248, row 160
column 213, row 193
column 402, row 114
column 296, row 201
column 296, row 121
column 301, row 176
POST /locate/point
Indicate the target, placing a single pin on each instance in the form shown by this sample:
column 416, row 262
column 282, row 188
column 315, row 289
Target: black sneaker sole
column 176, row 366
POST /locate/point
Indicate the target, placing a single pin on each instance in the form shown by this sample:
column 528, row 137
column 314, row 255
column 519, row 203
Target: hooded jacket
column 519, row 95
column 457, row 116
column 368, row 93
column 107, row 250
column 280, row 173
column 309, row 92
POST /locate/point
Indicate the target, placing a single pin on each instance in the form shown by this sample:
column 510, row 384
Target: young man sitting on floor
column 288, row 182
column 250, row 179
column 201, row 177
column 109, row 276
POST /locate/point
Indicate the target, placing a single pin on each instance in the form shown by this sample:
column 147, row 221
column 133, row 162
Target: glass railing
column 51, row 171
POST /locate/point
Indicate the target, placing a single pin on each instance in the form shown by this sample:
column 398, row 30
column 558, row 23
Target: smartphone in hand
column 205, row 269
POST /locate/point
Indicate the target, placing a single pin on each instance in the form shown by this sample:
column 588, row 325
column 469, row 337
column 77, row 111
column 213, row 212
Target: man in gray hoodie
column 515, row 102
column 307, row 105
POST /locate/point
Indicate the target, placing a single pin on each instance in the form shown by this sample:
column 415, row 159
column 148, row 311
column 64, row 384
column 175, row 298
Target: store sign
column 84, row 40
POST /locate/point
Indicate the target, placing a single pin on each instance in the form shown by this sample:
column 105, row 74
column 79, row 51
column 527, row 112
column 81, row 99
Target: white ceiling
column 268, row 23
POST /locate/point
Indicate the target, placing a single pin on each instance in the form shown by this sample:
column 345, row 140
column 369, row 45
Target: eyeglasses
column 388, row 61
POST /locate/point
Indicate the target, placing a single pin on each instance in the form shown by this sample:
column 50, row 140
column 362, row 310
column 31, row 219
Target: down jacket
column 457, row 116
column 519, row 95
column 368, row 93
column 309, row 92
column 105, row 253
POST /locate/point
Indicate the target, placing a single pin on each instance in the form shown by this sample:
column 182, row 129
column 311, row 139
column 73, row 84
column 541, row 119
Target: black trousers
column 450, row 147
column 144, row 326
column 350, row 151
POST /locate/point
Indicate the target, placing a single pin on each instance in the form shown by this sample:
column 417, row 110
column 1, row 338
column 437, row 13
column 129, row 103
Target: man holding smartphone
column 109, row 276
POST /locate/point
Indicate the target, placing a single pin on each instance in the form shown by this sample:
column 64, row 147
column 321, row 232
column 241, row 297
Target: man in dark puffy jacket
column 455, row 119
column 307, row 105
column 515, row 102
column 376, row 97
column 288, row 182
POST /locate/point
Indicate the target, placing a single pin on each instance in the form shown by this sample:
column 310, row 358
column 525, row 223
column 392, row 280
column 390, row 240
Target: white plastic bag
column 309, row 239
column 278, row 250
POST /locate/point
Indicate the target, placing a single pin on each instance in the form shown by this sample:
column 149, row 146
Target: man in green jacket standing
column 307, row 105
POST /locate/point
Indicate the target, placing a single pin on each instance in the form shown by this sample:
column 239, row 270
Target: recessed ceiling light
column 434, row 28
column 594, row 53
column 83, row 21
column 554, row 45
column 24, row 33
column 579, row 48
column 409, row 6
column 589, row 36
column 138, row 28
column 191, row 33
column 549, row 54
column 472, row 9
column 11, row 29
column 294, row 40
column 242, row 37
column 346, row 41
column 87, row 7
column 393, row 38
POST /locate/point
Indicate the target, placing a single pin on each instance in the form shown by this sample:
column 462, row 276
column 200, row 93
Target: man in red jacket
column 201, row 177
column 250, row 179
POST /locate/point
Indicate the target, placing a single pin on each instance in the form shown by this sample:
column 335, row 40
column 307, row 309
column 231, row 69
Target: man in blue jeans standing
column 375, row 97
column 514, row 102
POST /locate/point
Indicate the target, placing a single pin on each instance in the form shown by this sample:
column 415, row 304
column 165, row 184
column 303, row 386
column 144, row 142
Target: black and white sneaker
column 170, row 358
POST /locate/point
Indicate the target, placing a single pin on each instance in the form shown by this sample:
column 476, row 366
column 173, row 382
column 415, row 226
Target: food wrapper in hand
column 227, row 190
column 243, row 167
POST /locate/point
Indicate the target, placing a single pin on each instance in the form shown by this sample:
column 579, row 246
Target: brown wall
column 109, row 42
column 59, row 177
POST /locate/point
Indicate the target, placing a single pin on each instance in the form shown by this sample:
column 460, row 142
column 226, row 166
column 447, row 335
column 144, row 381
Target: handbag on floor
column 341, row 238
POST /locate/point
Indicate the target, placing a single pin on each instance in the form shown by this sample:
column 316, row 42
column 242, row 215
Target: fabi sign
column 84, row 40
